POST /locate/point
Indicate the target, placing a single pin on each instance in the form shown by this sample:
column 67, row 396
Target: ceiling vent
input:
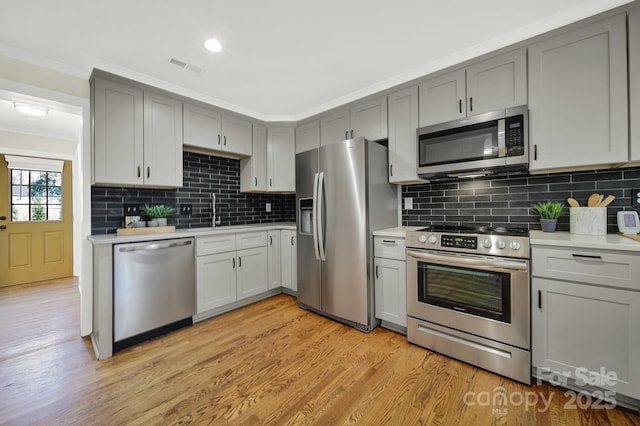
column 186, row 66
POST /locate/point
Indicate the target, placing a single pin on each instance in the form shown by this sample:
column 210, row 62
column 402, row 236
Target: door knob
column 3, row 218
column 3, row 227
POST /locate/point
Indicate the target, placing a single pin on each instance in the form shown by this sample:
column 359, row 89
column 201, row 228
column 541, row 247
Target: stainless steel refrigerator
column 342, row 196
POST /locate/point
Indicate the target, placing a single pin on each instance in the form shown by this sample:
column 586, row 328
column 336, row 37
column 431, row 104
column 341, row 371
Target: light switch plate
column 268, row 207
column 408, row 203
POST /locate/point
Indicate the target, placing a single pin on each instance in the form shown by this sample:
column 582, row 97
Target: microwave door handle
column 509, row 265
column 501, row 139
column 314, row 216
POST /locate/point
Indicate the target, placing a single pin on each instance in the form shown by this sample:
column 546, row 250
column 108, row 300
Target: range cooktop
column 477, row 229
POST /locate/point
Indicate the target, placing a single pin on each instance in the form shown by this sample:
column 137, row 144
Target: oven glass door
column 477, row 292
column 469, row 143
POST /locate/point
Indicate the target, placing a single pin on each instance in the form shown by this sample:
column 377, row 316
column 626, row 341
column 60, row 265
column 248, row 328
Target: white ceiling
column 282, row 59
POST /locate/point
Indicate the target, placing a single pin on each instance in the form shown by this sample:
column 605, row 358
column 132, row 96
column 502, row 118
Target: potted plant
column 158, row 214
column 549, row 213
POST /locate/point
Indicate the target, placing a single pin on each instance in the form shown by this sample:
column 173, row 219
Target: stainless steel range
column 468, row 292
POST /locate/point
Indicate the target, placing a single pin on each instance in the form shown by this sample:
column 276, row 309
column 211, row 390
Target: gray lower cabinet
column 289, row 265
column 137, row 136
column 585, row 314
column 230, row 268
column 274, row 259
column 391, row 282
column 578, row 97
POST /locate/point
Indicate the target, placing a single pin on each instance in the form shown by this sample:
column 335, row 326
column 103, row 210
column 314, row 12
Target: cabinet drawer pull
column 377, row 275
column 471, row 103
column 460, row 105
column 390, row 242
column 539, row 299
column 586, row 256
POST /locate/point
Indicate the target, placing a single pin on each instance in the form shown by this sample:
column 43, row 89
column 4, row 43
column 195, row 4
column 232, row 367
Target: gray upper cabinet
column 137, row 136
column 308, row 136
column 495, row 83
column 367, row 119
column 403, row 123
column 634, row 82
column 578, row 97
column 209, row 129
column 253, row 170
column 271, row 168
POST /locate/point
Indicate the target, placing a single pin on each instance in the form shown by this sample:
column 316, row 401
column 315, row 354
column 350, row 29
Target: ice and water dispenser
column 306, row 215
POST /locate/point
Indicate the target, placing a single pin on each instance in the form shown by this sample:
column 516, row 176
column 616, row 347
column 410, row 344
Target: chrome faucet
column 214, row 221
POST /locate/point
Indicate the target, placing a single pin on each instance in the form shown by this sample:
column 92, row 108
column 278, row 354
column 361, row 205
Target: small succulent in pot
column 158, row 213
column 549, row 213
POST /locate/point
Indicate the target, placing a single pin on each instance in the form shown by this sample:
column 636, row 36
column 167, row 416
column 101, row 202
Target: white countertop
column 566, row 239
column 396, row 232
column 193, row 232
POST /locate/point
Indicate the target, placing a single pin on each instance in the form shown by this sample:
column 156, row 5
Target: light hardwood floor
column 268, row 363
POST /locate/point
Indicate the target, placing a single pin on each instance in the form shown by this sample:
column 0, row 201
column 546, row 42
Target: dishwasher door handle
column 149, row 247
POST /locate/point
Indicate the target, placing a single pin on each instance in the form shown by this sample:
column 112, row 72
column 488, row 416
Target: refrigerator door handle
column 323, row 254
column 314, row 214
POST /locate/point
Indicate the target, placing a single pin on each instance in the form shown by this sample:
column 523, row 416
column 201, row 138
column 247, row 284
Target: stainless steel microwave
column 485, row 144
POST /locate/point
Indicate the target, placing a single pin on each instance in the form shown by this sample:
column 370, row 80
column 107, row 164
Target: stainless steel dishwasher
column 153, row 289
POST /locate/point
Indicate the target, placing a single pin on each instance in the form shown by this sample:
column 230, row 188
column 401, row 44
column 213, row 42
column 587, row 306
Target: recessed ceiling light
column 33, row 110
column 213, row 45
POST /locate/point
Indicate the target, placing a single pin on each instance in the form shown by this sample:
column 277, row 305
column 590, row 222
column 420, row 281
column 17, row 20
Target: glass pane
column 55, row 196
column 20, row 194
column 20, row 177
column 55, row 179
column 19, row 213
column 38, row 194
column 38, row 178
column 38, row 212
column 55, row 213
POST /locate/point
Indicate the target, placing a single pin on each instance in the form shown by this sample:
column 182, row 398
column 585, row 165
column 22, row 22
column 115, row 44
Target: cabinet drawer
column 600, row 267
column 389, row 248
column 215, row 244
column 251, row 240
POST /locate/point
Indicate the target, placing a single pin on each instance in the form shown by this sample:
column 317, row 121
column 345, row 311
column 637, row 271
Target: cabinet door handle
column 586, row 256
column 351, row 134
column 390, row 169
column 239, row 261
column 138, row 172
column 270, row 240
column 256, row 181
column 460, row 105
column 471, row 103
column 225, row 140
column 346, row 134
column 270, row 182
column 535, row 151
column 234, row 263
column 218, row 139
column 377, row 275
column 292, row 242
column 539, row 299
column 148, row 172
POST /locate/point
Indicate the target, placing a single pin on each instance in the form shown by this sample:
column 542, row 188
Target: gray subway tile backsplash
column 507, row 200
column 203, row 176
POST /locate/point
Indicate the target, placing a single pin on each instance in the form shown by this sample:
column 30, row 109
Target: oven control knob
column 514, row 245
column 422, row 238
column 433, row 239
column 486, row 244
column 500, row 244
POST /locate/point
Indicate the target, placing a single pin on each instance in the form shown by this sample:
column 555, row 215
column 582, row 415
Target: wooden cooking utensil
column 606, row 201
column 573, row 202
column 593, row 200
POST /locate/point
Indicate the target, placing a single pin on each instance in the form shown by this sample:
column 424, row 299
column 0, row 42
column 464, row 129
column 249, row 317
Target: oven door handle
column 465, row 261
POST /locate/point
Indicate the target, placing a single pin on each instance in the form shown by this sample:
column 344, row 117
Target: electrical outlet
column 268, row 207
column 185, row 208
column 131, row 210
column 408, row 203
column 635, row 198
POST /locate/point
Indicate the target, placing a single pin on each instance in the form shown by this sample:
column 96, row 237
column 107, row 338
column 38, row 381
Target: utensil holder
column 588, row 220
